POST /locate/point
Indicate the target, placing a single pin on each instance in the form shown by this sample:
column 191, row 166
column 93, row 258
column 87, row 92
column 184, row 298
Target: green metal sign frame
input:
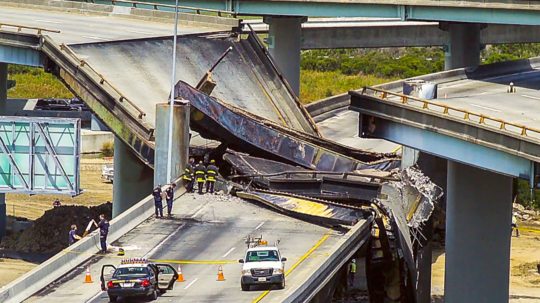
column 40, row 155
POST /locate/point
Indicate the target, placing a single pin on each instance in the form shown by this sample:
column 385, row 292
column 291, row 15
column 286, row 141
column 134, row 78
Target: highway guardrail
column 340, row 254
column 452, row 111
column 156, row 6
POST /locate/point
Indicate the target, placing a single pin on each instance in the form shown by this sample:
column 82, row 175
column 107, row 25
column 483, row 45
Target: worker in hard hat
column 200, row 176
column 211, row 176
column 351, row 272
column 188, row 176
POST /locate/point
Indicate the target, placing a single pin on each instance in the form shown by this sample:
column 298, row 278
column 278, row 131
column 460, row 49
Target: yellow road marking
column 397, row 148
column 305, row 256
column 534, row 230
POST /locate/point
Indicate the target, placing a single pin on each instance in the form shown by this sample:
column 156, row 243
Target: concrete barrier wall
column 71, row 257
column 92, row 141
column 123, row 11
column 342, row 251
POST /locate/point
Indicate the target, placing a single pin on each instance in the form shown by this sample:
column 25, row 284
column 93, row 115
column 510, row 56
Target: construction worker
column 200, row 173
column 103, row 226
column 188, row 176
column 514, row 224
column 211, row 176
column 73, row 237
column 351, row 272
column 169, row 197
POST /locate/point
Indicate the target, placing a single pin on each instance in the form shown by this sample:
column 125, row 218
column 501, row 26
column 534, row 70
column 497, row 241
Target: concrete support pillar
column 478, row 218
column 284, row 41
column 463, row 48
column 3, row 99
column 132, row 178
column 96, row 124
column 180, row 142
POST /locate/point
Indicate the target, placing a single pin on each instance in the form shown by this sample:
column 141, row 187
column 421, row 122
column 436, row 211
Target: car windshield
column 262, row 255
column 130, row 272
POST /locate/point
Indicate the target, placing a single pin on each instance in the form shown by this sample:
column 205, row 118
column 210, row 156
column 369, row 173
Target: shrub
column 107, row 149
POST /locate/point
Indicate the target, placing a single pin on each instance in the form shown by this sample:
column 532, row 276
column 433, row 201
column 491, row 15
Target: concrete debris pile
column 522, row 214
column 49, row 234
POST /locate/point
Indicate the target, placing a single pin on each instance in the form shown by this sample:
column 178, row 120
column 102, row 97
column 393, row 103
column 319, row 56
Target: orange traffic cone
column 220, row 276
column 88, row 278
column 180, row 275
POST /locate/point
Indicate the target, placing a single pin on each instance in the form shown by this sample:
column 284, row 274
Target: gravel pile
column 523, row 214
column 49, row 234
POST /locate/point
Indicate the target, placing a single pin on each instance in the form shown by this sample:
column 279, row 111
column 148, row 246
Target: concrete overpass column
column 3, row 99
column 463, row 48
column 284, row 40
column 132, row 178
column 478, row 218
column 180, row 143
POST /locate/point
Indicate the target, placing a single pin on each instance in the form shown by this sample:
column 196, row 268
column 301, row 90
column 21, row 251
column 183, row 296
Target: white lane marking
column 138, row 32
column 153, row 250
column 191, row 283
column 94, row 297
column 48, row 21
column 198, row 211
column 94, row 38
column 228, row 252
column 531, row 97
column 485, row 107
column 259, row 226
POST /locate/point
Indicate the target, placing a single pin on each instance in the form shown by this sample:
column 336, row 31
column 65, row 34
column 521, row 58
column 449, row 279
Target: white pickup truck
column 263, row 265
column 107, row 173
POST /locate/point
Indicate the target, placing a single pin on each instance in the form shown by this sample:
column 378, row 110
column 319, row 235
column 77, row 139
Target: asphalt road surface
column 88, row 28
column 205, row 230
column 342, row 127
column 489, row 96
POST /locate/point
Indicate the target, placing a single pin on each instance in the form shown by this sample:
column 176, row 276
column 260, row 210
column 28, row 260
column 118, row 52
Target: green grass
column 35, row 83
column 316, row 85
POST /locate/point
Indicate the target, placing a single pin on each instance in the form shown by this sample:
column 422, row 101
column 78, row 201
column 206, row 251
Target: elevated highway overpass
column 505, row 11
column 88, row 69
column 488, row 132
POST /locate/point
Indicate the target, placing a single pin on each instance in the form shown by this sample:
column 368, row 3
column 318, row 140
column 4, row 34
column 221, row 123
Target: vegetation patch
column 33, row 82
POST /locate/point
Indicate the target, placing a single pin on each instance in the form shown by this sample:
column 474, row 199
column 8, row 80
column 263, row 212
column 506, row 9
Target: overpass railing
column 103, row 81
column 157, row 6
column 21, row 27
column 453, row 112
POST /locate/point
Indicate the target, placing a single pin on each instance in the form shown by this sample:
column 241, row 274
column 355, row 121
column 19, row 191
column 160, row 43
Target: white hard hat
column 353, row 260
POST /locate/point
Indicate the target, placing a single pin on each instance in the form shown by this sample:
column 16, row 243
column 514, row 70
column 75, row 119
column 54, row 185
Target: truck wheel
column 282, row 284
column 245, row 287
column 112, row 298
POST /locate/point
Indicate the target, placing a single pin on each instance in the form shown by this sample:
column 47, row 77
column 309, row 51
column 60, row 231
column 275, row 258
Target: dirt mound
column 49, row 234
